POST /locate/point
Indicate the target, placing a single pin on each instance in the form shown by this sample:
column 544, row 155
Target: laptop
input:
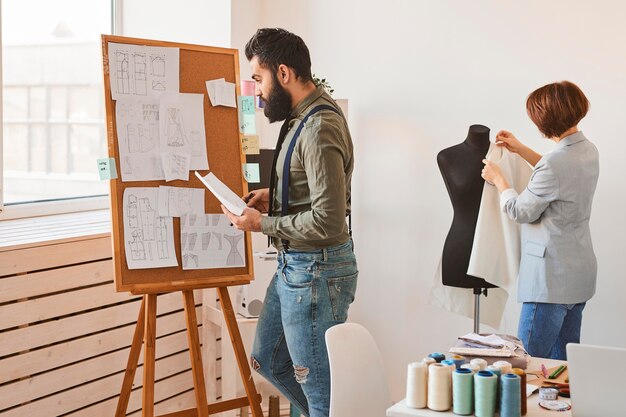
column 596, row 378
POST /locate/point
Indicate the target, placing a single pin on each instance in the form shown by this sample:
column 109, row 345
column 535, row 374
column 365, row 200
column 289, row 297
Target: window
column 52, row 99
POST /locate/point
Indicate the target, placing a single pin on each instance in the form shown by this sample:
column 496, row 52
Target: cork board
column 198, row 64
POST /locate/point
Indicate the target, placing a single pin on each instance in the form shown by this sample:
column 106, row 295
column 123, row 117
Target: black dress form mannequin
column 461, row 166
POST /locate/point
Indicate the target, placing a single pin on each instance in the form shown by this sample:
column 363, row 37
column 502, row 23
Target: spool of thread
column 274, row 406
column 485, row 388
column 429, row 360
column 504, row 366
column 475, row 368
column 417, row 385
column 439, row 387
column 497, row 372
column 448, row 362
column 458, row 360
column 482, row 364
column 510, row 400
column 523, row 398
column 463, row 391
column 437, row 356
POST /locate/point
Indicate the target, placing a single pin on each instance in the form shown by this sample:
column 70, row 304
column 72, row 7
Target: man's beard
column 278, row 104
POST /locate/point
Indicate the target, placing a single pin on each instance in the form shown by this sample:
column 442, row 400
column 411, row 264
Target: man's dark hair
column 275, row 46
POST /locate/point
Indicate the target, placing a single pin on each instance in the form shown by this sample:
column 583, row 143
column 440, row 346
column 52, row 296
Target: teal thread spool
column 448, row 362
column 485, row 388
column 463, row 392
column 510, row 399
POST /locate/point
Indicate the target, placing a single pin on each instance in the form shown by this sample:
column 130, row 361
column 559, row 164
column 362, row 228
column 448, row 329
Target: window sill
column 53, row 229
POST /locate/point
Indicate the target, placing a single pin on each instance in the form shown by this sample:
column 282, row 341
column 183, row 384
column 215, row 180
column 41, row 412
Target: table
column 401, row 410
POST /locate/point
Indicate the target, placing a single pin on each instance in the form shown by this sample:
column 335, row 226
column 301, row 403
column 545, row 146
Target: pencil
column 544, row 371
column 557, row 372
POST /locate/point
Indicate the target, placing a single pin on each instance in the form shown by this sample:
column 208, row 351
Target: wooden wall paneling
column 105, row 388
column 51, row 256
column 40, row 360
column 43, row 308
column 75, row 326
column 46, row 282
column 81, row 372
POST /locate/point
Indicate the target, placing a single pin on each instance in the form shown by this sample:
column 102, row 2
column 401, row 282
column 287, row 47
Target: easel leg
column 240, row 353
column 149, row 356
column 133, row 360
column 194, row 352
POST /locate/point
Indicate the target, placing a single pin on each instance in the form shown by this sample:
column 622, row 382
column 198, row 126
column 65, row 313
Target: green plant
column 317, row 81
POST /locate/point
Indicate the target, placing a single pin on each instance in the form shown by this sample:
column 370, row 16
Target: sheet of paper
column 148, row 237
column 182, row 134
column 209, row 241
column 250, row 145
column 141, row 71
column 247, row 116
column 251, row 173
column 221, row 93
column 225, row 195
column 176, row 201
column 137, row 122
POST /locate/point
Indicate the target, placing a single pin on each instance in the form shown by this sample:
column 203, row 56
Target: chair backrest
column 358, row 384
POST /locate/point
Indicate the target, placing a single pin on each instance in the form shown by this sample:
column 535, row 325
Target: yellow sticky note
column 250, row 145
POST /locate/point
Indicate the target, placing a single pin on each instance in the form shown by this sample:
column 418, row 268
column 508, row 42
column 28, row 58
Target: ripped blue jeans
column 310, row 292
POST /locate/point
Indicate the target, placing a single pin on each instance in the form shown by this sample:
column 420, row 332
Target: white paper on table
column 225, row 195
column 176, row 201
column 209, row 241
column 142, row 71
column 137, row 121
column 221, row 93
column 148, row 238
column 182, row 129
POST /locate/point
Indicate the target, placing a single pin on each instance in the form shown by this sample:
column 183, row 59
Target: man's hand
column 259, row 200
column 249, row 221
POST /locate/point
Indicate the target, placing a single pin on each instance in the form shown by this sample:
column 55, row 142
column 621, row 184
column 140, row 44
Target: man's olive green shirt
column 319, row 182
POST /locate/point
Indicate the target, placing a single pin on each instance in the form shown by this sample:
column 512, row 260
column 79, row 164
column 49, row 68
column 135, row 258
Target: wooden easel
column 145, row 332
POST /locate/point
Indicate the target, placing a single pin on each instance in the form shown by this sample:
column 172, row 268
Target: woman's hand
column 258, row 199
column 493, row 175
column 509, row 141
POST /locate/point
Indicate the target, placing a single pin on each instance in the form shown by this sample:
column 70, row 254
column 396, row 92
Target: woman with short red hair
column 558, row 267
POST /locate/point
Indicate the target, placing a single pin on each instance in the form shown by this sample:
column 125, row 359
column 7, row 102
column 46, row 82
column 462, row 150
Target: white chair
column 358, row 384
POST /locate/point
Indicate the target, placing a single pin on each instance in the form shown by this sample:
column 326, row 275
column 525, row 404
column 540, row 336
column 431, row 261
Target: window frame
column 61, row 205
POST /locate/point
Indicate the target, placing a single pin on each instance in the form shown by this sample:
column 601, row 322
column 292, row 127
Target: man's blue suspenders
column 287, row 163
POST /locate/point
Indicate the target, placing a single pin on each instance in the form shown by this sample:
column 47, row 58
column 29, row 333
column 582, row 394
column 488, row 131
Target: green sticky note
column 107, row 169
column 251, row 173
column 248, row 124
column 246, row 104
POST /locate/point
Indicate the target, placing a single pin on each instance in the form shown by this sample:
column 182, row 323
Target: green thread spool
column 463, row 392
column 485, row 388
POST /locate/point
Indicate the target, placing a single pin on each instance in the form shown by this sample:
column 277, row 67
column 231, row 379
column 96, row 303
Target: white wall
column 204, row 22
column 417, row 74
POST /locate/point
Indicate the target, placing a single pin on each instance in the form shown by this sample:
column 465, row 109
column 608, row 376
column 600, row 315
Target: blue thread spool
column 448, row 362
column 438, row 357
column 510, row 399
column 485, row 388
column 463, row 392
column 458, row 360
